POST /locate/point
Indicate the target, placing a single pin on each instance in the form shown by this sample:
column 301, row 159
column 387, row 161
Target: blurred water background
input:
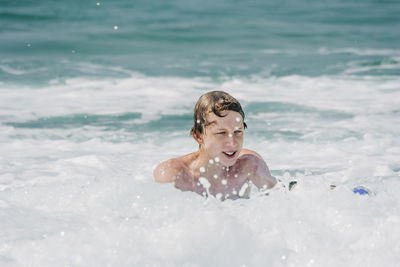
column 94, row 94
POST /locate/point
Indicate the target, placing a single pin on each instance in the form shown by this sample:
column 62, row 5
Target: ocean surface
column 93, row 95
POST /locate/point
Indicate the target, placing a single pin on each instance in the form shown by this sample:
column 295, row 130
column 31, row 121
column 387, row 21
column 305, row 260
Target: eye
column 221, row 133
column 238, row 132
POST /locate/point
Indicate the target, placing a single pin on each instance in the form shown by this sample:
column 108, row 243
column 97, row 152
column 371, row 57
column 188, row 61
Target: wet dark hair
column 216, row 102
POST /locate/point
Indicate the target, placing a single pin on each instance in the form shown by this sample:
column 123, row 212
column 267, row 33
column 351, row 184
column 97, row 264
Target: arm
column 261, row 177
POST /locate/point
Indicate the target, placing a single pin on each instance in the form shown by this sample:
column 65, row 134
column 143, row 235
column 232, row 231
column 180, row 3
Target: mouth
column 230, row 155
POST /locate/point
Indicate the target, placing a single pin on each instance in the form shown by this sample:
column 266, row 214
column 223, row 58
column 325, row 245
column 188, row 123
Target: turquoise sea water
column 94, row 94
column 47, row 40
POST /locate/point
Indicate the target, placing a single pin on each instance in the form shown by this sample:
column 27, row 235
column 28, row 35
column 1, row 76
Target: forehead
column 230, row 118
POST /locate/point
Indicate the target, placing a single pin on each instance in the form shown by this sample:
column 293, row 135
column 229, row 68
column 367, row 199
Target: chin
column 229, row 163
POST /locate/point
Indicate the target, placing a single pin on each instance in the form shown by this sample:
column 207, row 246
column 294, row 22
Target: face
column 222, row 139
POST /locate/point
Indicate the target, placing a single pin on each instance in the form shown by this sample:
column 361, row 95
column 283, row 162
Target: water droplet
column 115, row 27
column 234, row 192
column 224, row 181
column 237, row 119
column 215, row 176
column 98, row 3
column 216, row 159
column 202, row 169
column 204, row 182
column 230, row 135
column 211, row 161
column 198, row 121
column 236, row 176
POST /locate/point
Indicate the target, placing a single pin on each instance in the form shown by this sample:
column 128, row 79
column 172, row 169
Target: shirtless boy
column 220, row 167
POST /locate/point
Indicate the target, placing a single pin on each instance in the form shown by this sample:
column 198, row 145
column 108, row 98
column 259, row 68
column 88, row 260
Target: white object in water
column 243, row 189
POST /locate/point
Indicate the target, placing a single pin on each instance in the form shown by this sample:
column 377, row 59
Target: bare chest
column 231, row 186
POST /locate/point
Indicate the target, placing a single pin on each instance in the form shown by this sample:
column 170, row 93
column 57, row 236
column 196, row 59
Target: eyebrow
column 224, row 129
column 211, row 122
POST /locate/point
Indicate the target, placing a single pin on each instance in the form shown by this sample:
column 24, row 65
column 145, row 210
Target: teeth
column 229, row 153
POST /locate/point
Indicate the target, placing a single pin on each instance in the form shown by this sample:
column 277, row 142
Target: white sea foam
column 355, row 68
column 12, row 71
column 360, row 52
column 85, row 196
column 280, row 51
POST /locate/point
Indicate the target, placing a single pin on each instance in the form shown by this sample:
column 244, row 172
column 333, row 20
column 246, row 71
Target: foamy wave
column 353, row 94
column 155, row 96
column 355, row 68
column 9, row 70
column 360, row 52
column 150, row 96
column 91, row 193
column 280, row 51
column 18, row 72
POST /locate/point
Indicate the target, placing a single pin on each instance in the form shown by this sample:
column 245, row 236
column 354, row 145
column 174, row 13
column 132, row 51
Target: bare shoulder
column 250, row 156
column 167, row 171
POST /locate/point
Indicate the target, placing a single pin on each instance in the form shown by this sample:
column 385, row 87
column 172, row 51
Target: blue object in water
column 360, row 190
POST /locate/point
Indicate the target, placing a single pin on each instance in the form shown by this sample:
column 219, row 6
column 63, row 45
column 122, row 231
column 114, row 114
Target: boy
column 220, row 167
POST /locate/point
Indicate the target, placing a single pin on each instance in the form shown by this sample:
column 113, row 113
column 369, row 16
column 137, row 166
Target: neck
column 205, row 166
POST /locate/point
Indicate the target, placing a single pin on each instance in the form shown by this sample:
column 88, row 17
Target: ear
column 198, row 138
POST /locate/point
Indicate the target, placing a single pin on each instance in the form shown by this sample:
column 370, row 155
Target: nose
column 231, row 140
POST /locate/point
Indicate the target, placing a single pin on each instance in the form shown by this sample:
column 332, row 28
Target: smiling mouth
column 229, row 155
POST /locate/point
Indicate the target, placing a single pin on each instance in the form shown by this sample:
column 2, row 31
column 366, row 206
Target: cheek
column 212, row 144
